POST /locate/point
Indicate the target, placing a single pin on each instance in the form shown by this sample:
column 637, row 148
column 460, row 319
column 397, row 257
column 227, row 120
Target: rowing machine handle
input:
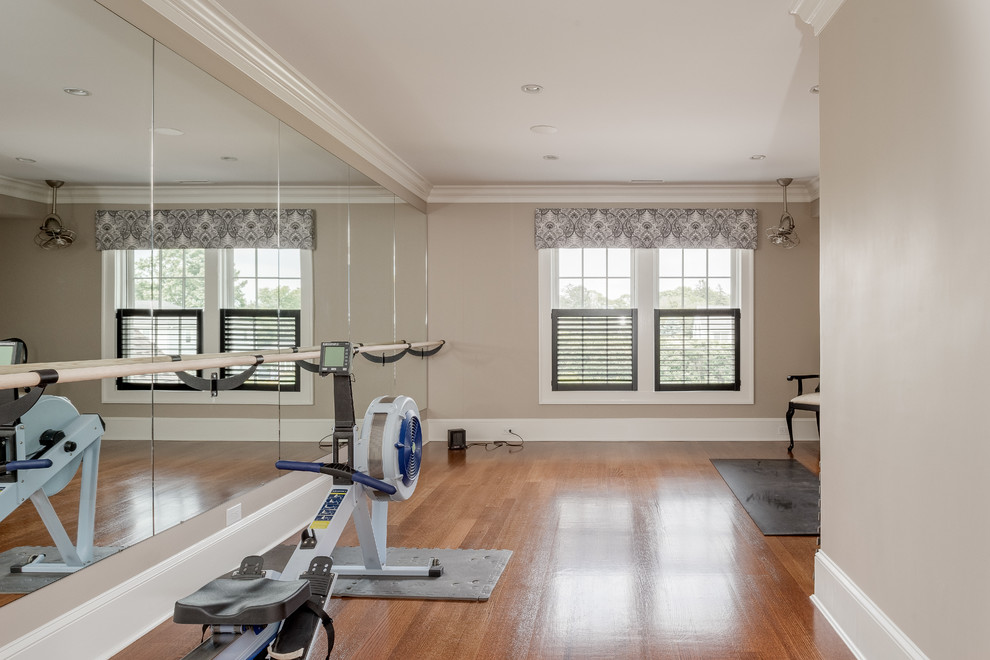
column 35, row 464
column 323, row 468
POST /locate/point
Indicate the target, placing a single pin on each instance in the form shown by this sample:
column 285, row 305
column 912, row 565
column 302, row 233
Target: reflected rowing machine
column 40, row 453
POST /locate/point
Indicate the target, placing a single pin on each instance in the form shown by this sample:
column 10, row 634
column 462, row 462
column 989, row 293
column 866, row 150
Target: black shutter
column 149, row 332
column 260, row 330
column 697, row 349
column 594, row 349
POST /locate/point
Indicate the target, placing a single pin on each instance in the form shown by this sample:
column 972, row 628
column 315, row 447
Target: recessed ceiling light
column 532, row 89
column 757, row 157
column 544, row 129
column 25, row 160
column 168, row 131
column 816, row 89
column 551, row 157
column 229, row 159
column 76, row 91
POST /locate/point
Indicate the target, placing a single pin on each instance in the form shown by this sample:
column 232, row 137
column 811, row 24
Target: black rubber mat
column 780, row 495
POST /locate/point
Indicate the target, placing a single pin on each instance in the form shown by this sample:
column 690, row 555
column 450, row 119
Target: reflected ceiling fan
column 53, row 235
column 784, row 233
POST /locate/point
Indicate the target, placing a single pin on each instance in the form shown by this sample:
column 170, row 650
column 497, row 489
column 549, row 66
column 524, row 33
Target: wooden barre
column 24, row 375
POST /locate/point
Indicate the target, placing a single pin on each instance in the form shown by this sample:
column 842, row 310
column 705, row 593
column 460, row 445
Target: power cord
column 514, row 446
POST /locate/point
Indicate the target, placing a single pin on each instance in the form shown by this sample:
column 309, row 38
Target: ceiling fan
column 53, row 235
column 784, row 233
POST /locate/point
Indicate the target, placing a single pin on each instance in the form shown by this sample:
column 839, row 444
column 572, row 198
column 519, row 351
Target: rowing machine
column 255, row 609
column 40, row 453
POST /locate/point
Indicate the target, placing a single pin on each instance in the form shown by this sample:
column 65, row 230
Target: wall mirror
column 77, row 109
column 158, row 136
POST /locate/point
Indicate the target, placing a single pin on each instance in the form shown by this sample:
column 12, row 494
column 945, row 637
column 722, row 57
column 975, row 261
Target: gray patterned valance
column 646, row 228
column 206, row 228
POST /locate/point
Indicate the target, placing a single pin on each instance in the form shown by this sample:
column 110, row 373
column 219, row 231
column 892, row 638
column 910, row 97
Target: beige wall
column 905, row 329
column 483, row 298
column 48, row 295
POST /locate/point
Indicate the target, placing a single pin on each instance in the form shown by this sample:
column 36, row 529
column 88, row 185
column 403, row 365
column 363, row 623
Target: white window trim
column 646, row 271
column 112, row 299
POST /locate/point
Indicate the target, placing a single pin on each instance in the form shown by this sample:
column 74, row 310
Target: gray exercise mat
column 467, row 574
column 25, row 583
column 780, row 495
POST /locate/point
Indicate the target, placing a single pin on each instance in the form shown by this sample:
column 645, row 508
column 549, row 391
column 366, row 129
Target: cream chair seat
column 802, row 401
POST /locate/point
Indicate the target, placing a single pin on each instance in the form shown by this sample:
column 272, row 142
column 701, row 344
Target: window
column 594, row 325
column 696, row 326
column 145, row 332
column 247, row 330
column 208, row 301
column 645, row 325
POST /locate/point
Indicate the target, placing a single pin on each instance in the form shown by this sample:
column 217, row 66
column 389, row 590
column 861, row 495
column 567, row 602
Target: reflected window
column 189, row 301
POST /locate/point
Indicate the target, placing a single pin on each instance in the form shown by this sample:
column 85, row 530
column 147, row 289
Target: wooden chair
column 802, row 401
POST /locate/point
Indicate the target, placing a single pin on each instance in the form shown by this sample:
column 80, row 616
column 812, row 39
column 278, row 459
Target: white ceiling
column 678, row 90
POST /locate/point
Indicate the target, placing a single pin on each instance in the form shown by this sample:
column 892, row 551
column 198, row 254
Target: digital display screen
column 333, row 356
column 7, row 354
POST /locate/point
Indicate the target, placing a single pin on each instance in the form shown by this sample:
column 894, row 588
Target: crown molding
column 620, row 193
column 140, row 196
column 28, row 190
column 191, row 195
column 211, row 25
column 816, row 13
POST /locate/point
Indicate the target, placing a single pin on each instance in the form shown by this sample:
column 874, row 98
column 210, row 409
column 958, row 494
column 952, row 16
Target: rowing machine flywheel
column 410, row 446
column 391, row 444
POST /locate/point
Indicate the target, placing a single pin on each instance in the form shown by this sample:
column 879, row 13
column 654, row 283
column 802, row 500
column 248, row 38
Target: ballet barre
column 32, row 374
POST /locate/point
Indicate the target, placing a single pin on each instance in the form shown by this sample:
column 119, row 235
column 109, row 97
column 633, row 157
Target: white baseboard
column 224, row 429
column 866, row 630
column 109, row 622
column 624, row 429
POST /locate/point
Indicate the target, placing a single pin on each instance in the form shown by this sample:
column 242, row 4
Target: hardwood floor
column 620, row 550
column 190, row 477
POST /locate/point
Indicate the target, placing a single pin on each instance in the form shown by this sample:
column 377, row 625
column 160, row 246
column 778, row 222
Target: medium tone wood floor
column 620, row 550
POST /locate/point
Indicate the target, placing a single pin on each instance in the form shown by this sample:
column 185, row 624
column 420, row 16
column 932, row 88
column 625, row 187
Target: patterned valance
column 206, row 228
column 646, row 228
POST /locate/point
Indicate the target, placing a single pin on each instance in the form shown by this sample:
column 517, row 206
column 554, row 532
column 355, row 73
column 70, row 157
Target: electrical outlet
column 781, row 430
column 233, row 514
column 506, row 430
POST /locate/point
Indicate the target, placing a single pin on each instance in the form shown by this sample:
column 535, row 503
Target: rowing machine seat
column 246, row 600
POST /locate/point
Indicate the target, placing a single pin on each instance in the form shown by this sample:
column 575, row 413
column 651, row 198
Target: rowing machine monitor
column 335, row 358
column 10, row 353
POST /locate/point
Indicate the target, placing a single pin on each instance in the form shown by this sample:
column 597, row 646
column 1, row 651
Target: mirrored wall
column 161, row 165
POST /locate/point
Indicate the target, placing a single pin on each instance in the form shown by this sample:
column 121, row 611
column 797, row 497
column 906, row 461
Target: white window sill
column 742, row 397
column 111, row 395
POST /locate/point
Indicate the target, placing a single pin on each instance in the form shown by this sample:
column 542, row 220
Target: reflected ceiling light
column 532, row 89
column 25, row 160
column 551, row 157
column 53, row 236
column 76, row 91
column 543, row 129
column 757, row 157
column 784, row 234
column 168, row 131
